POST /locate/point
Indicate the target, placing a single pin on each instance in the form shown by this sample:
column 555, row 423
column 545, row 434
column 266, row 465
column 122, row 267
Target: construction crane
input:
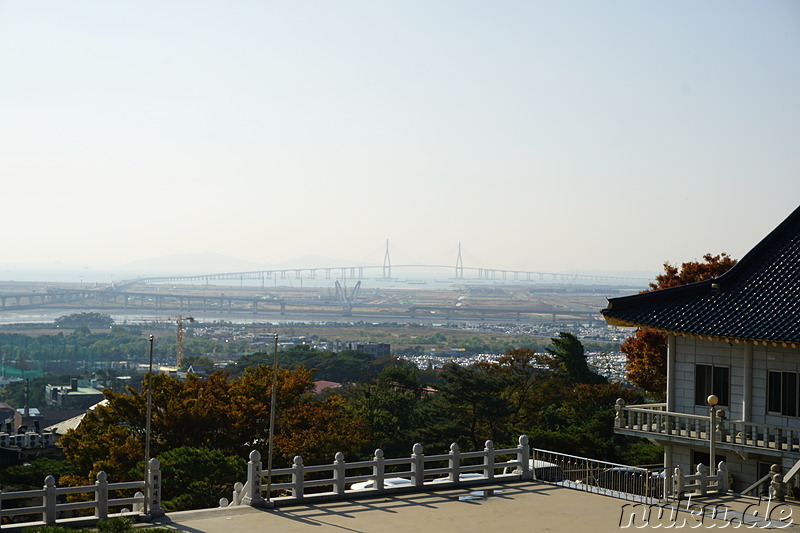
column 178, row 319
column 347, row 300
column 179, row 338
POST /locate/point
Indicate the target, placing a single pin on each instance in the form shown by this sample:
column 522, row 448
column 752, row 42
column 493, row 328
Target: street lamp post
column 272, row 402
column 712, row 432
column 147, row 430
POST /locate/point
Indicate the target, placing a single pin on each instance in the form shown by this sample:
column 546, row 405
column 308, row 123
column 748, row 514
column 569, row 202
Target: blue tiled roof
column 757, row 300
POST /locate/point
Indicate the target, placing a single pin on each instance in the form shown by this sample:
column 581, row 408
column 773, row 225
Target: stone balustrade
column 54, row 512
column 701, row 482
column 301, row 482
column 653, row 419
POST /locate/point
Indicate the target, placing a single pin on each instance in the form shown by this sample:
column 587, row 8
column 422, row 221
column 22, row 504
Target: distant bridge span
column 382, row 272
column 171, row 301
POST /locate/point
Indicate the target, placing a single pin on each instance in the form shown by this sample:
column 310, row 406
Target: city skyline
column 543, row 136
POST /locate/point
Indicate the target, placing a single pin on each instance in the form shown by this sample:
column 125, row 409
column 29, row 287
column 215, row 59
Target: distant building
column 76, row 395
column 10, row 418
column 376, row 349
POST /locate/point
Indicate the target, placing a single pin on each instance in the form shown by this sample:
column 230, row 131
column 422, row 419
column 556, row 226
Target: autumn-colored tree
column 230, row 416
column 711, row 267
column 647, row 350
column 646, row 365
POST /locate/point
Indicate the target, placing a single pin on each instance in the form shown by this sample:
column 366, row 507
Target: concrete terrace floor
column 517, row 506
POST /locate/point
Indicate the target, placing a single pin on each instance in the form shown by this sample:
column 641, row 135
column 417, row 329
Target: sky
column 545, row 136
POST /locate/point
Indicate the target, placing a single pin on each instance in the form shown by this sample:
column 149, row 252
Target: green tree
column 196, row 478
column 390, row 408
column 469, row 408
column 31, row 475
column 96, row 320
column 568, row 352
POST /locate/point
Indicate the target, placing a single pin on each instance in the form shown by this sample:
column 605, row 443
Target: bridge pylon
column 459, row 264
column 387, row 263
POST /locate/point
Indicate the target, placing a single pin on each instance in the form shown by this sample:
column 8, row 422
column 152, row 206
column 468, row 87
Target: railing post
column 702, row 478
column 49, row 501
column 454, row 463
column 101, row 496
column 236, row 497
column 378, row 469
column 619, row 419
column 138, row 507
column 297, row 477
column 339, row 472
column 154, row 488
column 677, row 478
column 524, row 458
column 777, row 488
column 722, row 472
column 253, row 496
column 488, row 460
column 417, row 465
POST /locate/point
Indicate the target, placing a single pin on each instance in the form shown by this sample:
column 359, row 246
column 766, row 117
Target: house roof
column 758, row 299
column 321, row 385
column 63, row 426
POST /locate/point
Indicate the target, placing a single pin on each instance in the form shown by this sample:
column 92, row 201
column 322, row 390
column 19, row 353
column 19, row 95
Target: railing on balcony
column 654, row 419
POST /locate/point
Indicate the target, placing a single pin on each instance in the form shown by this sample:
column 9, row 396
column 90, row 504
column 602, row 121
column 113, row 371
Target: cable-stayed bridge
column 396, row 273
column 259, row 292
column 387, row 272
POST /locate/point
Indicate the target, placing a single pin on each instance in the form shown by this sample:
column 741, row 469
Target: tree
column 712, row 266
column 390, row 408
column 216, row 414
column 96, row 320
column 29, row 476
column 646, row 366
column 568, row 352
column 469, row 408
column 196, row 478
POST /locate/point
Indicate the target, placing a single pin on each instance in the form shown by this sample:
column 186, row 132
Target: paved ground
column 520, row 506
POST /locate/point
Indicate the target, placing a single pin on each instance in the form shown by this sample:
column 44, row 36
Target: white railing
column 53, row 510
column 291, row 485
column 655, row 420
column 701, row 482
column 620, row 481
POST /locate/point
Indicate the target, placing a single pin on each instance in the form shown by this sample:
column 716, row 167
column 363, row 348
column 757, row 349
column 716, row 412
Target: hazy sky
column 546, row 136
